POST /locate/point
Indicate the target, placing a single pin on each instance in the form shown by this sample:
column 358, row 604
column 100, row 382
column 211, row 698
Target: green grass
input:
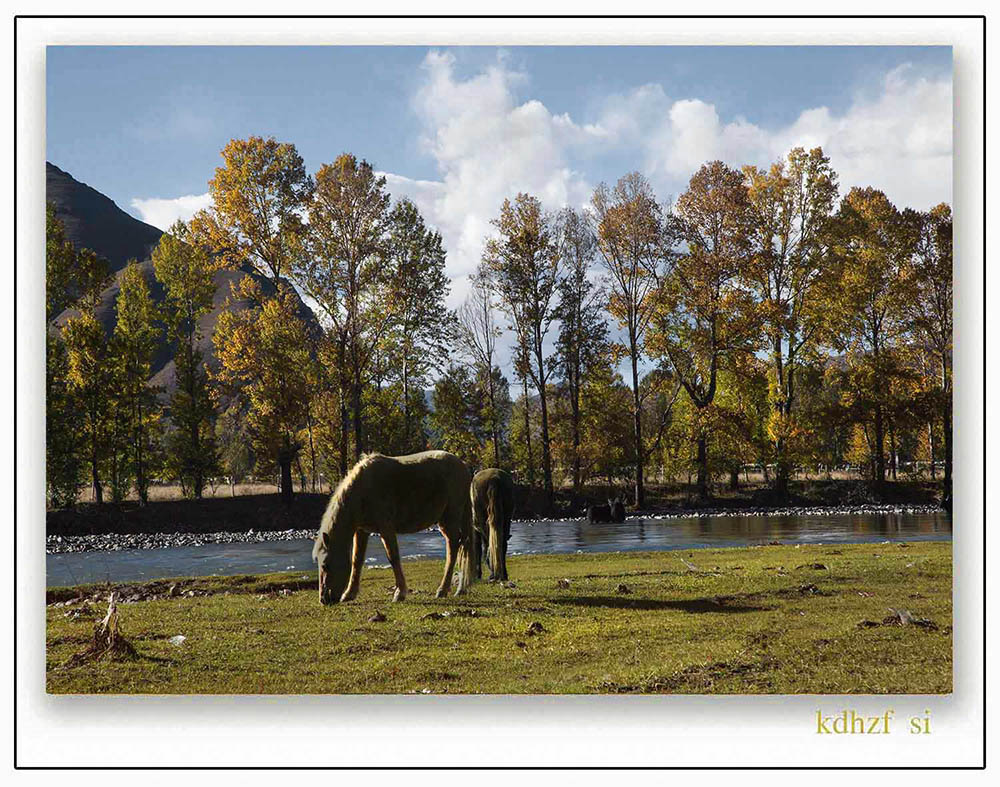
column 752, row 620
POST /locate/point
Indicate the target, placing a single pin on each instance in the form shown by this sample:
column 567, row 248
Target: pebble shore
column 115, row 542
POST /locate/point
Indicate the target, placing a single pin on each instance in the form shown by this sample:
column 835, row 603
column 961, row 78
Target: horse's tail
column 466, row 550
column 494, row 526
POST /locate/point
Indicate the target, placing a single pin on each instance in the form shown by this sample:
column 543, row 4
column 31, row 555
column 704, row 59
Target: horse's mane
column 341, row 499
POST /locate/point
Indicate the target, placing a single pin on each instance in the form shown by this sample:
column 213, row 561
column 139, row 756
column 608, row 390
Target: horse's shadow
column 695, row 605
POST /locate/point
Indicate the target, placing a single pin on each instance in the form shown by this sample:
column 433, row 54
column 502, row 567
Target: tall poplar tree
column 134, row 341
column 790, row 206
column 525, row 264
column 703, row 314
column 583, row 334
column 636, row 241
column 186, row 272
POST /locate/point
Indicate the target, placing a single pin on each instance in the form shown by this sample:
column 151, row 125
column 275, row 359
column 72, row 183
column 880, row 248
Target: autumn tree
column 88, row 366
column 421, row 330
column 455, row 418
column 702, row 314
column 635, row 240
column 343, row 273
column 524, row 261
column 872, row 244
column 927, row 308
column 186, row 272
column 259, row 197
column 64, row 440
column 134, row 341
column 478, row 333
column 583, row 334
column 264, row 372
column 789, row 208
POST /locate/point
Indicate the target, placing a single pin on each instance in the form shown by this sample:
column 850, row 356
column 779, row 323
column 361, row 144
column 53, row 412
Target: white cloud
column 161, row 213
column 898, row 140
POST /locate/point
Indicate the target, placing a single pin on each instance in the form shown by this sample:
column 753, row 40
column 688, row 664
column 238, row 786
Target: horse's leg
column 449, row 563
column 357, row 561
column 477, row 552
column 392, row 552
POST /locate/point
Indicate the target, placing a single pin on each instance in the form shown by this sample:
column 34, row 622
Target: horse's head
column 331, row 555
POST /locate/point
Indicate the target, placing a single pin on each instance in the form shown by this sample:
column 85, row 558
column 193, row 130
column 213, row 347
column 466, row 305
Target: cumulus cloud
column 161, row 213
column 898, row 140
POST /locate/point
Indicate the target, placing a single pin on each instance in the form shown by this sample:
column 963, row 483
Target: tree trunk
column 930, row 449
column 527, row 435
column 285, row 462
column 892, row 448
column 702, row 466
column 734, row 479
column 546, row 454
column 640, row 492
column 879, row 450
column 494, row 427
column 946, row 429
column 96, row 480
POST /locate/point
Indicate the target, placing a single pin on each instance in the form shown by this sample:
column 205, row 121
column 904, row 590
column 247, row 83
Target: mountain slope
column 94, row 221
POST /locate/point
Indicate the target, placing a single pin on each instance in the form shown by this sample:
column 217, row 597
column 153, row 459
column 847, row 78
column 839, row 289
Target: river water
column 547, row 537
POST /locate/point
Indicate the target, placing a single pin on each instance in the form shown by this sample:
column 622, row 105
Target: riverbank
column 114, row 542
column 762, row 620
column 264, row 513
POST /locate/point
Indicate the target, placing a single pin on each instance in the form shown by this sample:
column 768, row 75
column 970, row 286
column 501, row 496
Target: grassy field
column 770, row 619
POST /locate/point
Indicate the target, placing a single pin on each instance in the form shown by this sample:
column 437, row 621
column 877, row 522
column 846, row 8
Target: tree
column 455, row 417
column 264, row 370
column 88, row 367
column 635, row 241
column 478, row 334
column 583, row 334
column 134, row 341
column 702, row 315
column 64, row 440
column 258, row 198
column 343, row 272
column 790, row 205
column 186, row 272
column 927, row 307
column 871, row 241
column 525, row 265
column 417, row 285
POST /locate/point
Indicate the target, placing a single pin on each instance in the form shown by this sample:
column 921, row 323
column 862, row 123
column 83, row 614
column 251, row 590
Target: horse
column 388, row 495
column 492, row 509
column 614, row 511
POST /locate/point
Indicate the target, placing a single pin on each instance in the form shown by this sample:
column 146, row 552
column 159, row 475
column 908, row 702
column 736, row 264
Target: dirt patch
column 699, row 678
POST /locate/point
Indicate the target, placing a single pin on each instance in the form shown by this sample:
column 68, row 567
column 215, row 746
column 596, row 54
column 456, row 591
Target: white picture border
column 527, row 731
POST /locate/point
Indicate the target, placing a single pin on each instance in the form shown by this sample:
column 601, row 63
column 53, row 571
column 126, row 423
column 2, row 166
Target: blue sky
column 458, row 129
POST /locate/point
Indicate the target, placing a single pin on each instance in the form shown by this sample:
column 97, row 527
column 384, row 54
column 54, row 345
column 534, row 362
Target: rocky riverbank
column 113, row 542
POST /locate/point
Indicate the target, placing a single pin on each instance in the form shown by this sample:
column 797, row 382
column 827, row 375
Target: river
column 547, row 537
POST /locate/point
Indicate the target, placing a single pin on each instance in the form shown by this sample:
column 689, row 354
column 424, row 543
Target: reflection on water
column 526, row 538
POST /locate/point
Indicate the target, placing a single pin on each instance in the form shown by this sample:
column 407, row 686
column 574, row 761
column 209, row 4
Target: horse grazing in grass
column 614, row 511
column 492, row 509
column 388, row 495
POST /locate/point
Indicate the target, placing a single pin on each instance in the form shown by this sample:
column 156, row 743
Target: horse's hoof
column 441, row 593
column 349, row 596
column 399, row 595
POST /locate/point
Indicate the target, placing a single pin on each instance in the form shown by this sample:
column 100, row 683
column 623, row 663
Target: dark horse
column 492, row 509
column 614, row 511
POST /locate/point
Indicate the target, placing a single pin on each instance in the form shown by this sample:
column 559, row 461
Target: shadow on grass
column 695, row 605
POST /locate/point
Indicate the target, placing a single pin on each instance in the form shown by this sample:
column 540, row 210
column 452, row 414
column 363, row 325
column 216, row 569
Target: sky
column 459, row 129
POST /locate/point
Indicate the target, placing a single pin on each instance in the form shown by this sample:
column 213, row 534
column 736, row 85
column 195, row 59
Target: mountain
column 95, row 222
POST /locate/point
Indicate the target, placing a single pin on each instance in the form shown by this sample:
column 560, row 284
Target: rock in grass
column 534, row 628
column 623, row 589
column 378, row 617
column 562, row 584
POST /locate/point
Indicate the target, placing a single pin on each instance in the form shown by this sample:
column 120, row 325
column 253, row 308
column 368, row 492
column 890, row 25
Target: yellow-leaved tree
column 265, row 372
